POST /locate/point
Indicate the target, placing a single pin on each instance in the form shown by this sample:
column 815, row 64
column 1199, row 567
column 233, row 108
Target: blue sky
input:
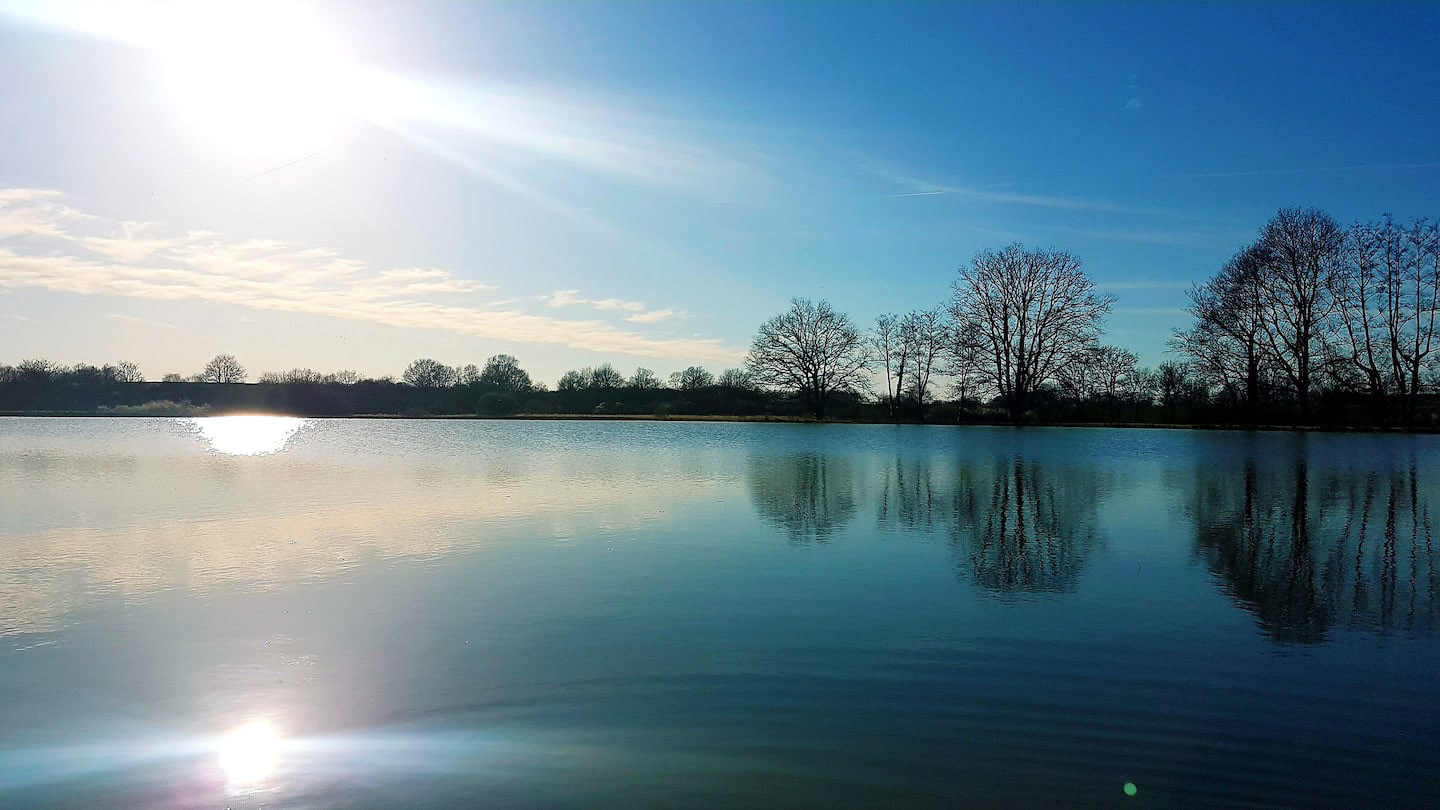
column 356, row 185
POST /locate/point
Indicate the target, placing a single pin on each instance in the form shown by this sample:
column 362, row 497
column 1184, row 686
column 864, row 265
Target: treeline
column 1311, row 324
column 1312, row 314
column 427, row 387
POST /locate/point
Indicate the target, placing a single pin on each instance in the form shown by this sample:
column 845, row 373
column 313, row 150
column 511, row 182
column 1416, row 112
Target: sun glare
column 247, row 435
column 258, row 74
column 249, row 754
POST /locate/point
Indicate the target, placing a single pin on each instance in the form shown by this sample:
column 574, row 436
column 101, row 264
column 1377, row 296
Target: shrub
column 158, row 407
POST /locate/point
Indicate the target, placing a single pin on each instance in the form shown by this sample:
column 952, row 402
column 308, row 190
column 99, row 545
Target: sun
column 262, row 75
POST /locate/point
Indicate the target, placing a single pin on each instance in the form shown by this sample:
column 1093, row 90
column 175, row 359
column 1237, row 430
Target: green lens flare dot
column 1130, row 789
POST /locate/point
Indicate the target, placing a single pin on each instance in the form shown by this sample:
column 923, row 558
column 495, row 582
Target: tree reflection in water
column 809, row 496
column 1023, row 527
column 1308, row 547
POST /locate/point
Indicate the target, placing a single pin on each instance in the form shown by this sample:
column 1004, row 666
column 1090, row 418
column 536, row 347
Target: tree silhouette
column 427, row 373
column 1032, row 311
column 643, row 379
column 691, row 378
column 811, row 350
column 503, row 373
column 223, row 368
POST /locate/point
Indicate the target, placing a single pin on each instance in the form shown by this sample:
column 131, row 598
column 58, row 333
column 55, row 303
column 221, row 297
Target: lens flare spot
column 248, row 754
column 1130, row 789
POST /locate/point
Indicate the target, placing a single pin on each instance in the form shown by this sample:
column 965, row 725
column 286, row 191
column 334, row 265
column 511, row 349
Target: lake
column 276, row 612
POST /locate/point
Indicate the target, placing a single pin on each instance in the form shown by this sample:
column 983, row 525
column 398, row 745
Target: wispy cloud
column 990, row 193
column 572, row 298
column 47, row 245
column 653, row 316
column 607, row 304
column 1358, row 167
column 915, row 194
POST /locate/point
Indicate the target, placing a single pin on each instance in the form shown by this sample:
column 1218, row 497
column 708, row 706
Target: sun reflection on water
column 249, row 754
column 247, row 435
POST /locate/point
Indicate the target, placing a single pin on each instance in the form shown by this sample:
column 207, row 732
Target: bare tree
column 692, row 378
column 1032, row 310
column 644, row 379
column 965, row 362
column 736, row 379
column 1227, row 341
column 124, row 371
column 1172, row 380
column 223, row 368
column 928, row 336
column 812, row 350
column 1411, row 258
column 1078, row 380
column 1301, row 251
column 469, row 374
column 427, row 373
column 891, row 351
column 1359, row 288
column 503, row 373
column 1117, row 374
column 573, row 380
column 603, row 376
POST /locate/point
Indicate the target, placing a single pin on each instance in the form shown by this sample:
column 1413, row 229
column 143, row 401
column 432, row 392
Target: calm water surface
column 247, row 612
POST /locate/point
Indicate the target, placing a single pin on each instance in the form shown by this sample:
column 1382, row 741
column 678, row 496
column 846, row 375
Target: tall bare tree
column 1227, row 341
column 1032, row 310
column 1358, row 332
column 965, row 362
column 928, row 334
column 889, row 348
column 1302, row 253
column 1411, row 258
column 812, row 350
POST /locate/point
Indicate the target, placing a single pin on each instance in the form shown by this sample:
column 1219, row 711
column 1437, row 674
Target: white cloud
column 65, row 250
column 607, row 304
column 653, row 316
column 563, row 298
column 571, row 298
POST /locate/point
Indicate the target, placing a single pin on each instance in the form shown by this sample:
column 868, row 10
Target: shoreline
column 583, row 417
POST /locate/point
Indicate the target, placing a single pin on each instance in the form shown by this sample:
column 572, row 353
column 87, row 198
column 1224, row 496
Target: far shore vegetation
column 1312, row 325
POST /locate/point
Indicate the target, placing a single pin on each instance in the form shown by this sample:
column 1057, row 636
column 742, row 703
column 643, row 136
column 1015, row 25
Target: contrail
column 277, row 167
